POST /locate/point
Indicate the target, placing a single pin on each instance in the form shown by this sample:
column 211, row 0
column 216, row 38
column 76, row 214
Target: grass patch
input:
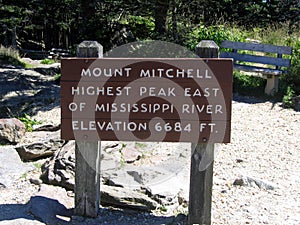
column 47, row 61
column 24, row 176
column 29, row 122
column 37, row 165
column 140, row 145
column 10, row 56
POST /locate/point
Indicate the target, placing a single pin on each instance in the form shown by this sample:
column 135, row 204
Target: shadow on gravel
column 253, row 99
column 50, row 211
column 45, row 210
column 22, row 93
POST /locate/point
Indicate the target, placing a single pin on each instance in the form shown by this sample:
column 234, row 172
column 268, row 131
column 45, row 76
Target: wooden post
column 201, row 180
column 87, row 156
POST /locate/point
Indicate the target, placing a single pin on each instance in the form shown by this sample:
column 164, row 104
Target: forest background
column 46, row 24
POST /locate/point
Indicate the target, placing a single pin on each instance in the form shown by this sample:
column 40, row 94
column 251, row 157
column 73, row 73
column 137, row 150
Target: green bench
column 263, row 59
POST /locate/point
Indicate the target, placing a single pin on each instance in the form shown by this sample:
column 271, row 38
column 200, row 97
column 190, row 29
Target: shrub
column 217, row 33
column 248, row 85
column 141, row 27
column 287, row 100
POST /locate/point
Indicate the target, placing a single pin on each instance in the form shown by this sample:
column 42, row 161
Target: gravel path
column 265, row 145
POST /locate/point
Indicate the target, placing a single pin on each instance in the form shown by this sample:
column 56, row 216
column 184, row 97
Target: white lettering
column 208, row 109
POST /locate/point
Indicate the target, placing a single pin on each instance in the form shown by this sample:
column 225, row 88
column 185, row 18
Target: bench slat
column 257, row 47
column 257, row 59
column 261, row 70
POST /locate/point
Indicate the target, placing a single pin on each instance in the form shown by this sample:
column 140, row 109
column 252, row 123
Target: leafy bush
column 141, row 26
column 248, row 85
column 217, row 33
column 287, row 98
column 11, row 56
column 289, row 83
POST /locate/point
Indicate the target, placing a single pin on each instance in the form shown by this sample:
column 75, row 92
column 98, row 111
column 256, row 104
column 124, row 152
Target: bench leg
column 272, row 85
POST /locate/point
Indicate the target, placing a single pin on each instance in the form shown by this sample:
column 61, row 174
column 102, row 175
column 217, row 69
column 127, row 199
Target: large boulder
column 39, row 150
column 39, row 144
column 60, row 168
column 11, row 130
column 123, row 197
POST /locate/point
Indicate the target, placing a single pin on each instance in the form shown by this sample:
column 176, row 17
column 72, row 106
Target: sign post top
column 89, row 49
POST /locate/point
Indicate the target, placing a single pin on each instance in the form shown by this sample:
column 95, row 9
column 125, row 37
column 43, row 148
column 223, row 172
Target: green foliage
column 37, row 165
column 140, row 145
column 11, row 56
column 289, row 83
column 218, row 33
column 24, row 175
column 57, row 76
column 294, row 72
column 29, row 122
column 47, row 61
column 163, row 208
column 142, row 27
column 248, row 85
column 287, row 98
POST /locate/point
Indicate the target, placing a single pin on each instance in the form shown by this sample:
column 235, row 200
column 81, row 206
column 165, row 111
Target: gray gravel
column 265, row 145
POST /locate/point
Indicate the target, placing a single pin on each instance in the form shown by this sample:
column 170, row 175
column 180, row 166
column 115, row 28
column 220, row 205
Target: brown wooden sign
column 149, row 99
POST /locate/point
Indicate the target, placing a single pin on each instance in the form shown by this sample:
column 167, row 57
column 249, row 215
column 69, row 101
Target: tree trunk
column 161, row 16
column 174, row 20
column 86, row 26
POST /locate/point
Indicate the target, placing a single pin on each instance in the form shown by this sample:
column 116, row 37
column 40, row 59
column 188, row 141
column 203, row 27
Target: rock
column 40, row 137
column 59, row 170
column 49, row 70
column 39, row 144
column 123, row 178
column 156, row 180
column 39, row 150
column 253, row 182
column 239, row 160
column 183, row 197
column 171, row 189
column 123, row 197
column 110, row 146
column 21, row 221
column 11, row 130
column 130, row 155
column 126, row 181
column 56, row 193
column 11, row 166
column 111, row 158
column 46, row 127
column 35, row 181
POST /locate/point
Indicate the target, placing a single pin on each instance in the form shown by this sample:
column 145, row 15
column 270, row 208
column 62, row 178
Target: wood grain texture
column 87, row 157
column 257, row 47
